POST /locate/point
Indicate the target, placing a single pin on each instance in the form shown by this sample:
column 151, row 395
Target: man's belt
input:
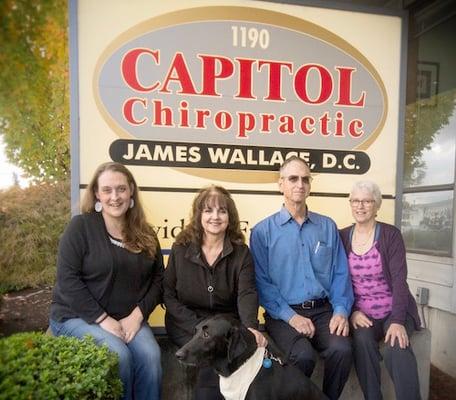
column 310, row 304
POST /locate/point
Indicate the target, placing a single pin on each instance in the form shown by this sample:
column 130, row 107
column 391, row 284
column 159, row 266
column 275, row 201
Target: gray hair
column 370, row 187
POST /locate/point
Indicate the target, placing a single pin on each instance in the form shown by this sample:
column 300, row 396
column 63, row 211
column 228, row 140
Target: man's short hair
column 290, row 160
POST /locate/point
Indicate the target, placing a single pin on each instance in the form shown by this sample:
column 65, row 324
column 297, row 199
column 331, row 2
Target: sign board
column 221, row 92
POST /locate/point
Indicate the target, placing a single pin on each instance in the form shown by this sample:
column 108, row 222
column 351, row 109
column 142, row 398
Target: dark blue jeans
column 139, row 361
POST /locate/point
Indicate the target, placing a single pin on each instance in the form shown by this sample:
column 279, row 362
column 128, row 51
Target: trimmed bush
column 38, row 366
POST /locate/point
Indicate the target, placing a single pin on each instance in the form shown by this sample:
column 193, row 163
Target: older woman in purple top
column 384, row 307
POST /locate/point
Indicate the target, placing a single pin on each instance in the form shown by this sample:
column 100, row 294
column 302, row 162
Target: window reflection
column 430, row 129
column 427, row 221
column 431, row 98
column 434, row 165
column 431, row 142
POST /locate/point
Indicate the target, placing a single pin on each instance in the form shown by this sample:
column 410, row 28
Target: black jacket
column 194, row 291
column 86, row 270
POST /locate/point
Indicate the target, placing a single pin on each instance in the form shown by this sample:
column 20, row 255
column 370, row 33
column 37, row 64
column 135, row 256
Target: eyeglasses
column 307, row 180
column 365, row 203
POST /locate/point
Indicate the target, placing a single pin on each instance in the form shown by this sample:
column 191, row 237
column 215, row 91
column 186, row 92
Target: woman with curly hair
column 109, row 279
column 210, row 271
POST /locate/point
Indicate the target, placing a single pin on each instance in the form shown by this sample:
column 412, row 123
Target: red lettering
column 345, row 87
column 301, row 84
column 201, row 116
column 128, row 110
column 355, row 128
column 223, row 120
column 286, row 125
column 246, row 124
column 178, row 72
column 265, row 120
column 339, row 124
column 324, row 120
column 165, row 112
column 245, row 78
column 305, row 122
column 184, row 115
column 129, row 68
column 275, row 78
column 210, row 75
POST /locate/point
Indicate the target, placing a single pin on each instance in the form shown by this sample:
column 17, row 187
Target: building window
column 427, row 222
column 430, row 132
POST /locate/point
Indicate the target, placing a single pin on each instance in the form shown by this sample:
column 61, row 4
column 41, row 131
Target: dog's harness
column 235, row 386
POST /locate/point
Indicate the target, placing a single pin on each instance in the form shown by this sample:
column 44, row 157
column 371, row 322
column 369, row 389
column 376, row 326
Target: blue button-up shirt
column 295, row 263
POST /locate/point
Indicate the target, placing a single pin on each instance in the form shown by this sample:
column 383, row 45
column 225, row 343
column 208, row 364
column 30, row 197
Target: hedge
column 38, row 366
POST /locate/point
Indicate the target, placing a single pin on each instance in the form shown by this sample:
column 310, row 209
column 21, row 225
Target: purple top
column 392, row 251
column 372, row 293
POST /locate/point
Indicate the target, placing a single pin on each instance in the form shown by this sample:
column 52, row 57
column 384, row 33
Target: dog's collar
column 235, row 386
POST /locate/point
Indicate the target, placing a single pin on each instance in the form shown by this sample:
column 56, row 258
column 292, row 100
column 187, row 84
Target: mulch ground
column 442, row 386
column 28, row 310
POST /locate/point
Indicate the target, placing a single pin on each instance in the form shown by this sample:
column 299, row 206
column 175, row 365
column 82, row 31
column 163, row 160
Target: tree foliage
column 34, row 86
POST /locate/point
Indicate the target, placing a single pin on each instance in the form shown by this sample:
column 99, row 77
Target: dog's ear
column 236, row 343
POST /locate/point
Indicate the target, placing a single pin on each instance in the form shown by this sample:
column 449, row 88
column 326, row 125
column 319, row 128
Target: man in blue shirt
column 303, row 281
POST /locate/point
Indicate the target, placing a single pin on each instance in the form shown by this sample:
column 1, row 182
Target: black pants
column 400, row 363
column 335, row 350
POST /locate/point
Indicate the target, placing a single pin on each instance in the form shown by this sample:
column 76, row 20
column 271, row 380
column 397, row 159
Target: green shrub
column 31, row 223
column 38, row 366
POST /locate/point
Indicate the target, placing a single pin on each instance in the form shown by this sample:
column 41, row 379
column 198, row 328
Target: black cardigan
column 86, row 271
column 194, row 291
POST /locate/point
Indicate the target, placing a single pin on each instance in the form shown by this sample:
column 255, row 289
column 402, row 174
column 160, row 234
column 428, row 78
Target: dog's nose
column 181, row 354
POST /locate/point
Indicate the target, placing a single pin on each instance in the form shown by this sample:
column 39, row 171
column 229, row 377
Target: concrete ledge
column 178, row 380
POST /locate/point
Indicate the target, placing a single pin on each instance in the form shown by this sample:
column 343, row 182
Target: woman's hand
column 338, row 325
column 131, row 324
column 359, row 319
column 259, row 337
column 397, row 331
column 113, row 326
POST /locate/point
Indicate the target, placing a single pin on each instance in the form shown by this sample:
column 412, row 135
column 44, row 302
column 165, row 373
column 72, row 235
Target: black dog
column 223, row 343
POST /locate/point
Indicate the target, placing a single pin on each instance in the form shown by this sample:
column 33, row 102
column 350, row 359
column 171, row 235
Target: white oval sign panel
column 238, row 88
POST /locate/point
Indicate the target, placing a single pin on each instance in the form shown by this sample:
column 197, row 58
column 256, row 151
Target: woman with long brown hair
column 210, row 271
column 109, row 279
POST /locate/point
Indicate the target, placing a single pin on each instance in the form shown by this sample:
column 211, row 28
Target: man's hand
column 302, row 325
column 359, row 319
column 397, row 331
column 131, row 324
column 338, row 325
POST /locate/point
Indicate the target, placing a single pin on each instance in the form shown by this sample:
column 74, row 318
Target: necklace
column 116, row 242
column 368, row 237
